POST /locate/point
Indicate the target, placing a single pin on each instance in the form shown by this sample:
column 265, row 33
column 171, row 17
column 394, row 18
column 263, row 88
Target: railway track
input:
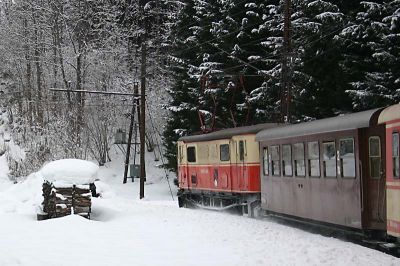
column 356, row 237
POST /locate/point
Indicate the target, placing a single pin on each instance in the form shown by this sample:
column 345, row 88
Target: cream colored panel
column 213, row 152
column 203, row 153
column 182, row 159
column 251, row 153
column 393, row 204
column 389, row 114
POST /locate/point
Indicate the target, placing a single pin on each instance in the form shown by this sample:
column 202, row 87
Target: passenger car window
column 313, row 159
column 275, row 167
column 287, row 160
column 375, row 157
column 191, row 154
column 299, row 160
column 347, row 158
column 329, row 158
column 265, row 161
column 395, row 155
column 224, row 152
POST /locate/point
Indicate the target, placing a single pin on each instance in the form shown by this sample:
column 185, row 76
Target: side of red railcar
column 221, row 169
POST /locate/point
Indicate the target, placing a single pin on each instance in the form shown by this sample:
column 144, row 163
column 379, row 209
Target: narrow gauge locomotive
column 221, row 169
column 342, row 170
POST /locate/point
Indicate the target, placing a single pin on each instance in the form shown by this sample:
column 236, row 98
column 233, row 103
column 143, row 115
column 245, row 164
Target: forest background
column 210, row 65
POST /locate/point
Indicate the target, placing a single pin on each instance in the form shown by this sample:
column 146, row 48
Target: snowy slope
column 154, row 231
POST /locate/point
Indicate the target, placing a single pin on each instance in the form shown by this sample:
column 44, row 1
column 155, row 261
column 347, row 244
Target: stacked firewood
column 60, row 201
column 82, row 200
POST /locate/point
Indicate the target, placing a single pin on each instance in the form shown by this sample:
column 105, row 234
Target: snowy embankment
column 154, row 231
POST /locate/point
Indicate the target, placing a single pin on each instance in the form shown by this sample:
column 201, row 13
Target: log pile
column 62, row 200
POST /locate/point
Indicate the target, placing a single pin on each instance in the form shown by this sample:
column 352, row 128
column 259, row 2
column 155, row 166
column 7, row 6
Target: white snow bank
column 128, row 231
column 4, row 180
column 24, row 197
column 70, row 172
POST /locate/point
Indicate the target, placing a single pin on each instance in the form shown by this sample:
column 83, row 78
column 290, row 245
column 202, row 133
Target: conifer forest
column 207, row 65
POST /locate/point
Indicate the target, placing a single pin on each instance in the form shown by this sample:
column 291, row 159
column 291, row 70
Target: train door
column 224, row 169
column 182, row 163
column 214, row 165
column 241, row 164
column 374, row 179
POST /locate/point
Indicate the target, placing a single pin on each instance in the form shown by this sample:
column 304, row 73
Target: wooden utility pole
column 286, row 81
column 142, row 125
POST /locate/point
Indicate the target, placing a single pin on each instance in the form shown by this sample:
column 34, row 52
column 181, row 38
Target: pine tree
column 371, row 59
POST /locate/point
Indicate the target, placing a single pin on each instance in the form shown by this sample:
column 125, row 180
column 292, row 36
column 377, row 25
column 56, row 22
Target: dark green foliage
column 227, row 59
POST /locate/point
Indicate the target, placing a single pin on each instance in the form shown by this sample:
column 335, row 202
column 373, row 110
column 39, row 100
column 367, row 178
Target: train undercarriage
column 244, row 204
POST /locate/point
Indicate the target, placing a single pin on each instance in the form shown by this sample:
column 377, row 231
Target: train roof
column 390, row 113
column 229, row 132
column 332, row 124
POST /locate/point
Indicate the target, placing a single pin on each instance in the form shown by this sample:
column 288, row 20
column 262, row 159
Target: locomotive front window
column 329, row 158
column 224, row 152
column 375, row 157
column 287, row 160
column 313, row 159
column 191, row 154
column 347, row 158
column 265, row 161
column 275, row 167
column 395, row 155
column 299, row 160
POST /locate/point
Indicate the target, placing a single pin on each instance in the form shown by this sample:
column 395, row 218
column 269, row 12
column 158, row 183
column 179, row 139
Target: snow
column 70, row 172
column 127, row 231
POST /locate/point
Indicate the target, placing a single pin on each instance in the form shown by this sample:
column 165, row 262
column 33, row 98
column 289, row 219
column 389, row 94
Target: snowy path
column 126, row 231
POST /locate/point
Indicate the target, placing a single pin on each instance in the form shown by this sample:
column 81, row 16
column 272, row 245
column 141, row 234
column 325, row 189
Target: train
column 342, row 171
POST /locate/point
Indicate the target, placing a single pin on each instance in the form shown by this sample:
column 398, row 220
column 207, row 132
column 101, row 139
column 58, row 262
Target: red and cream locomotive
column 221, row 169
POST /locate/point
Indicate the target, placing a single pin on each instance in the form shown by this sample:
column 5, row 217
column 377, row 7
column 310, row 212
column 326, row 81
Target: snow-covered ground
column 154, row 231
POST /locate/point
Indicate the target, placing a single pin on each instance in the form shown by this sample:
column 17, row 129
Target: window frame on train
column 351, row 159
column 191, row 154
column 372, row 158
column 180, row 154
column 296, row 159
column 310, row 159
column 325, row 160
column 241, row 149
column 395, row 155
column 224, row 155
column 265, row 161
column 278, row 160
column 289, row 159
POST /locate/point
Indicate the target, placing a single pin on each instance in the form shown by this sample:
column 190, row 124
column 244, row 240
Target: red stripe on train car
column 223, row 178
column 393, row 226
column 396, row 187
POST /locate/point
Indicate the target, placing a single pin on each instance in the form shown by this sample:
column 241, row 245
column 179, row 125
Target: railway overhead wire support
column 128, row 148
